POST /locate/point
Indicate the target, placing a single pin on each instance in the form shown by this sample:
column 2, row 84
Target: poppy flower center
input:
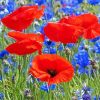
column 52, row 73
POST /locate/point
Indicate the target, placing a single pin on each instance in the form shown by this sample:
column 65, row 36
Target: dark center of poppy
column 52, row 73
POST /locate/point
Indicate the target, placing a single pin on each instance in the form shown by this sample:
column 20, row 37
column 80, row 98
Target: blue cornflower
column 77, row 10
column 94, row 98
column 86, row 96
column 46, row 88
column 70, row 2
column 53, row 50
column 83, row 46
column 49, row 50
column 75, row 2
column 69, row 7
column 49, row 43
column 67, row 10
column 2, row 7
column 6, row 69
column 63, row 2
column 46, row 50
column 93, row 2
column 52, row 87
column 95, row 39
column 82, row 60
column 85, row 88
column 11, row 60
column 11, row 5
column 82, row 70
column 41, row 29
column 78, row 13
column 1, row 96
column 48, row 14
column 39, row 2
column 80, row 1
column 97, row 46
column 49, row 47
column 7, row 8
column 60, row 47
column 70, row 45
column 3, row 53
column 85, row 93
column 3, row 11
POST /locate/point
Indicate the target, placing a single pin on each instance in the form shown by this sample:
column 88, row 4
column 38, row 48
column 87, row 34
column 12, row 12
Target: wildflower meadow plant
column 49, row 50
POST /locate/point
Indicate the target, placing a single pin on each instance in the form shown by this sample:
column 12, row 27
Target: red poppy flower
column 18, row 36
column 92, row 32
column 84, row 20
column 72, row 20
column 22, row 17
column 89, row 22
column 26, row 43
column 60, row 32
column 51, row 68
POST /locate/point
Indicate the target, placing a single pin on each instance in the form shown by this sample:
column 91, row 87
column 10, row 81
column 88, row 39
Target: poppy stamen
column 52, row 73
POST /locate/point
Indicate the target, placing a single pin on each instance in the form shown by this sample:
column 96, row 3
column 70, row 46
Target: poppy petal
column 61, row 77
column 72, row 20
column 24, row 47
column 84, row 20
column 40, row 12
column 92, row 32
column 88, row 20
column 22, row 17
column 21, row 36
column 60, row 32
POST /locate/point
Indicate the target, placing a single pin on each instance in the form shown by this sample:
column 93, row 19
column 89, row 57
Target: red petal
column 24, row 47
column 92, row 32
column 84, row 20
column 61, row 77
column 39, row 74
column 22, row 17
column 21, row 36
column 40, row 12
column 60, row 32
column 72, row 20
column 88, row 20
